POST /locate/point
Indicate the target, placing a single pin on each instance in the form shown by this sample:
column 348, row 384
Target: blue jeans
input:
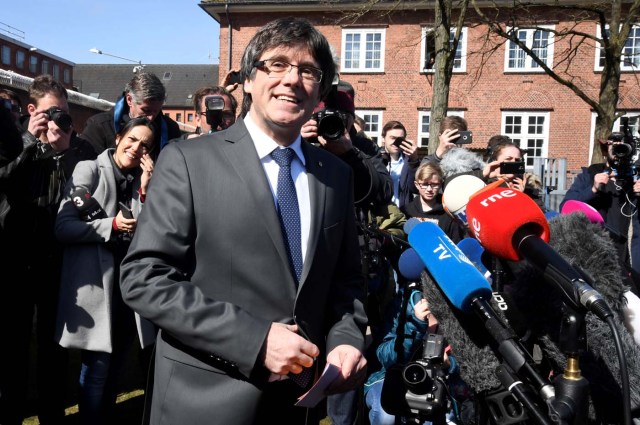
column 341, row 408
column 377, row 415
column 95, row 395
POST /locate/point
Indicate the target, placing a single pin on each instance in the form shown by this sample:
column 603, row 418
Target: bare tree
column 615, row 18
column 445, row 50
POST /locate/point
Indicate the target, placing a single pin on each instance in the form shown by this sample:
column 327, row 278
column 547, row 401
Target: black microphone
column 87, row 206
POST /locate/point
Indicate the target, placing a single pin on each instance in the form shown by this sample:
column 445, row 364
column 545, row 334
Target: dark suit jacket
column 208, row 265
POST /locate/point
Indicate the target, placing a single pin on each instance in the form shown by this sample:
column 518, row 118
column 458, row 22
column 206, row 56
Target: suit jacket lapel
column 316, row 173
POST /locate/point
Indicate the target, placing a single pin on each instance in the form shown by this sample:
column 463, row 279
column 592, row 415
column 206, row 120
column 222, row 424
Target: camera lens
column 60, row 117
column 621, row 150
column 331, row 127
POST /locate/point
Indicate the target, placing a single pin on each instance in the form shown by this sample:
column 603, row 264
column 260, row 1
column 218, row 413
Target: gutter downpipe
column 230, row 38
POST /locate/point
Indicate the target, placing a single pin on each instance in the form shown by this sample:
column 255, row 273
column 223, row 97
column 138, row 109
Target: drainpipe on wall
column 230, row 38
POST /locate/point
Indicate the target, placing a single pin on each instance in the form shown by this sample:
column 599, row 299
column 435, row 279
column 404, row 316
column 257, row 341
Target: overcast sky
column 151, row 31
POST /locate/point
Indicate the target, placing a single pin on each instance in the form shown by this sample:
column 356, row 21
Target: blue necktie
column 288, row 210
column 289, row 214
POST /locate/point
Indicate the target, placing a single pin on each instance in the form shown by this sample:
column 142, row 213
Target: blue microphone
column 410, row 265
column 454, row 273
column 473, row 250
column 410, row 224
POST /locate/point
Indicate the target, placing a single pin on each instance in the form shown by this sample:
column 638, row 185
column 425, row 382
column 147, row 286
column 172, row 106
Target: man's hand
column 286, row 351
column 601, row 179
column 445, row 141
column 337, row 147
column 410, row 149
column 353, row 368
column 38, row 124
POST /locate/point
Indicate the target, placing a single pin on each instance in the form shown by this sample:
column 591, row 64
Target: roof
column 180, row 81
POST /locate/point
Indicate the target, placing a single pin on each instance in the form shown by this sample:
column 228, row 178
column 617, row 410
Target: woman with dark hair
column 96, row 220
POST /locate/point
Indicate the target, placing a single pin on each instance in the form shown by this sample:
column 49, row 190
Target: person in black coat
column 428, row 206
column 30, row 192
column 143, row 95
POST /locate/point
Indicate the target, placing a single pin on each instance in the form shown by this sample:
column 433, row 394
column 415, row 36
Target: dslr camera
column 331, row 120
column 421, row 392
column 624, row 150
column 214, row 105
column 60, row 117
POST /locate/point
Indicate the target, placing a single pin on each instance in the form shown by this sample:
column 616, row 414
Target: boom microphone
column 87, row 206
column 572, row 206
column 457, row 193
column 473, row 250
column 509, row 224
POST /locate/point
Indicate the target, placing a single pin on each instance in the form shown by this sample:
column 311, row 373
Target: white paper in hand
column 312, row 397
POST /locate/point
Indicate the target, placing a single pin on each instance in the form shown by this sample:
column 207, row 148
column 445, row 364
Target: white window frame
column 461, row 50
column 376, row 133
column 524, row 134
column 634, row 34
column 362, row 53
column 424, row 135
column 529, row 64
column 616, row 127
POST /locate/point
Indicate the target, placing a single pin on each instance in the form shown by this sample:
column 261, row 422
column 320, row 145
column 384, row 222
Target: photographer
column 418, row 321
column 612, row 188
column 332, row 128
column 30, row 192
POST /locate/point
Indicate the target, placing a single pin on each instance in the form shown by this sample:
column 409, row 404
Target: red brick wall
column 401, row 91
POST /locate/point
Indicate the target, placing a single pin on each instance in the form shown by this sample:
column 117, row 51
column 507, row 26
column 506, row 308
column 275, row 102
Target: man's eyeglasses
column 278, row 69
column 433, row 186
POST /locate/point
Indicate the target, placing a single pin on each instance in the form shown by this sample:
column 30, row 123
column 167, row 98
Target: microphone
column 509, row 224
column 410, row 265
column 473, row 250
column 457, row 193
column 572, row 206
column 87, row 206
column 467, row 289
column 410, row 224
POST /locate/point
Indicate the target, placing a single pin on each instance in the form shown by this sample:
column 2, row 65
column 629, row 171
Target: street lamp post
column 137, row 68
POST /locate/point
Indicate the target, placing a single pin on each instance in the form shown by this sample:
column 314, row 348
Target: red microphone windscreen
column 495, row 215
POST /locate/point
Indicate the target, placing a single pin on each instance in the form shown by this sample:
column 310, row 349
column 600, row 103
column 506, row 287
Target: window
column 66, row 76
column 424, row 125
column 56, row 71
column 20, row 59
column 33, row 64
column 166, row 76
column 6, row 55
column 179, row 117
column 363, row 50
column 372, row 124
column 45, row 66
column 530, row 130
column 538, row 40
column 630, row 51
column 427, row 52
column 189, row 117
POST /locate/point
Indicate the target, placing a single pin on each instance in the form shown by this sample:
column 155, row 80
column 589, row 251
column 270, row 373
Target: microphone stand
column 571, row 402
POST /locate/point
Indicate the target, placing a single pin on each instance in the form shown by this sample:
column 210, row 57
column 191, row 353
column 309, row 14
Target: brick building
column 385, row 56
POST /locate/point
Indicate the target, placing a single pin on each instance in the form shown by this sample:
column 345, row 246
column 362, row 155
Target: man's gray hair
column 145, row 86
column 460, row 160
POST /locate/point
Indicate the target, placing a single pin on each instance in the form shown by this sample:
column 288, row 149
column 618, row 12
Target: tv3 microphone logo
column 476, row 226
column 78, row 200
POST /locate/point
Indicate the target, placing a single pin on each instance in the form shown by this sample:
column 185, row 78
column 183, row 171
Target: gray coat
column 86, row 291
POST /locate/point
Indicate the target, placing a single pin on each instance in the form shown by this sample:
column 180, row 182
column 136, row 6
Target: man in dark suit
column 213, row 263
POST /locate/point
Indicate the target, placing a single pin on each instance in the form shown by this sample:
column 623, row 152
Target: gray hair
column 460, row 160
column 145, row 86
column 287, row 32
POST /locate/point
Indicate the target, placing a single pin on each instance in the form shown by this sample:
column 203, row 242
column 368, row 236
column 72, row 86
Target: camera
column 464, row 138
column 214, row 105
column 331, row 123
column 235, row 77
column 623, row 150
column 419, row 388
column 398, row 141
column 60, row 117
column 514, row 167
